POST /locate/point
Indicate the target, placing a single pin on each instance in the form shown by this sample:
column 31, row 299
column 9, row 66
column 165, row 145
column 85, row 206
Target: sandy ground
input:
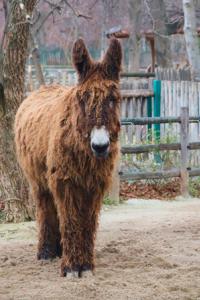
column 145, row 250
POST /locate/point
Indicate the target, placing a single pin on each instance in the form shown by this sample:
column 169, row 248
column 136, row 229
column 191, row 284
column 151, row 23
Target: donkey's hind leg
column 49, row 235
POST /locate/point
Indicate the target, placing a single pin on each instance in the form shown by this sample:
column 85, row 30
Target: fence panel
column 172, row 74
column 177, row 94
column 135, row 93
column 183, row 172
column 174, row 95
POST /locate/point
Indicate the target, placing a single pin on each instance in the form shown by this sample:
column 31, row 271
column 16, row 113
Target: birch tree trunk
column 191, row 38
column 13, row 187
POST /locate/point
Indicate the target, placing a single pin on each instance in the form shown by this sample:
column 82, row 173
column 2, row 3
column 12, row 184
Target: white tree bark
column 191, row 38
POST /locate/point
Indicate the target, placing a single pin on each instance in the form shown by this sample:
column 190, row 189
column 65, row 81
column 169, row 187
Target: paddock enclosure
column 146, row 249
column 152, row 95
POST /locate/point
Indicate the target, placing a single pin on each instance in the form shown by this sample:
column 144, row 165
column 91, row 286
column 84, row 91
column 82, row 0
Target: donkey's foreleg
column 49, row 245
column 78, row 234
column 78, row 228
column 78, row 218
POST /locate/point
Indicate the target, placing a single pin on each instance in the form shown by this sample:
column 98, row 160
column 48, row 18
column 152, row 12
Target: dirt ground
column 145, row 250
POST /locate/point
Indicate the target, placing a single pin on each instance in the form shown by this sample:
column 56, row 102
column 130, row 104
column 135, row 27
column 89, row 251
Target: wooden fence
column 53, row 74
column 142, row 101
column 174, row 95
column 184, row 146
column 135, row 94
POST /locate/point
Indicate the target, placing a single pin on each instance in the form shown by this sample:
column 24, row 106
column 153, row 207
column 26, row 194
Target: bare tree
column 157, row 12
column 191, row 37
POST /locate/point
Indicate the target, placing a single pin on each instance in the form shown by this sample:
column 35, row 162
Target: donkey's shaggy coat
column 68, row 174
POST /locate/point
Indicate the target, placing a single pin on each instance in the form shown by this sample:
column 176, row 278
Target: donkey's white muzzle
column 100, row 141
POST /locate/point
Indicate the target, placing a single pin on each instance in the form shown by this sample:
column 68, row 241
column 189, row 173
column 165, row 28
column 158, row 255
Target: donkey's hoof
column 70, row 273
column 45, row 254
column 58, row 250
column 78, row 271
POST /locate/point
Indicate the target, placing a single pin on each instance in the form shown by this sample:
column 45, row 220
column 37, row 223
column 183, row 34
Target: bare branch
column 7, row 17
column 153, row 21
column 76, row 12
column 44, row 19
column 5, row 8
column 93, row 5
column 56, row 7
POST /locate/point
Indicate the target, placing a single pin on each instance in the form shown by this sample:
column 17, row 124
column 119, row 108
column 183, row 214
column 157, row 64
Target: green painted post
column 156, row 107
column 156, row 113
column 149, row 114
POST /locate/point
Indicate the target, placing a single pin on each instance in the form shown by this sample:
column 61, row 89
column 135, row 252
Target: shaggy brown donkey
column 67, row 143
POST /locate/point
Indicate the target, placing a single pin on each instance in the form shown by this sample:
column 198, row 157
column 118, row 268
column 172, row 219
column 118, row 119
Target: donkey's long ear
column 81, row 59
column 112, row 60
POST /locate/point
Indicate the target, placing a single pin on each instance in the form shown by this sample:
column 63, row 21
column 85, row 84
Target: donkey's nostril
column 100, row 148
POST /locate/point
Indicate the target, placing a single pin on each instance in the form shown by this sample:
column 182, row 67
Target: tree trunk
column 134, row 16
column 162, row 41
column 13, row 187
column 36, row 61
column 191, row 38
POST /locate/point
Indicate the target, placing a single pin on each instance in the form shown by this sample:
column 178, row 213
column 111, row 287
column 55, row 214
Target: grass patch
column 194, row 187
column 2, row 217
column 108, row 201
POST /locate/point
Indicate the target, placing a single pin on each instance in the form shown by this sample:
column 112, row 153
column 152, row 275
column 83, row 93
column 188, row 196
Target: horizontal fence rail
column 158, row 175
column 140, row 75
column 136, row 93
column 157, row 147
column 156, row 120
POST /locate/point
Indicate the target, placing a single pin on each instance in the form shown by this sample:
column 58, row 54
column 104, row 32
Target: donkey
column 67, row 143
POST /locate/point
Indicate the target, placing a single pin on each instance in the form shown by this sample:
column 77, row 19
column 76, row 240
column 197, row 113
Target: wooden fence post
column 115, row 188
column 184, row 151
column 149, row 115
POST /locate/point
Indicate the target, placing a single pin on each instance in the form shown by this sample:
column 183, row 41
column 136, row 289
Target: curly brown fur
column 52, row 134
